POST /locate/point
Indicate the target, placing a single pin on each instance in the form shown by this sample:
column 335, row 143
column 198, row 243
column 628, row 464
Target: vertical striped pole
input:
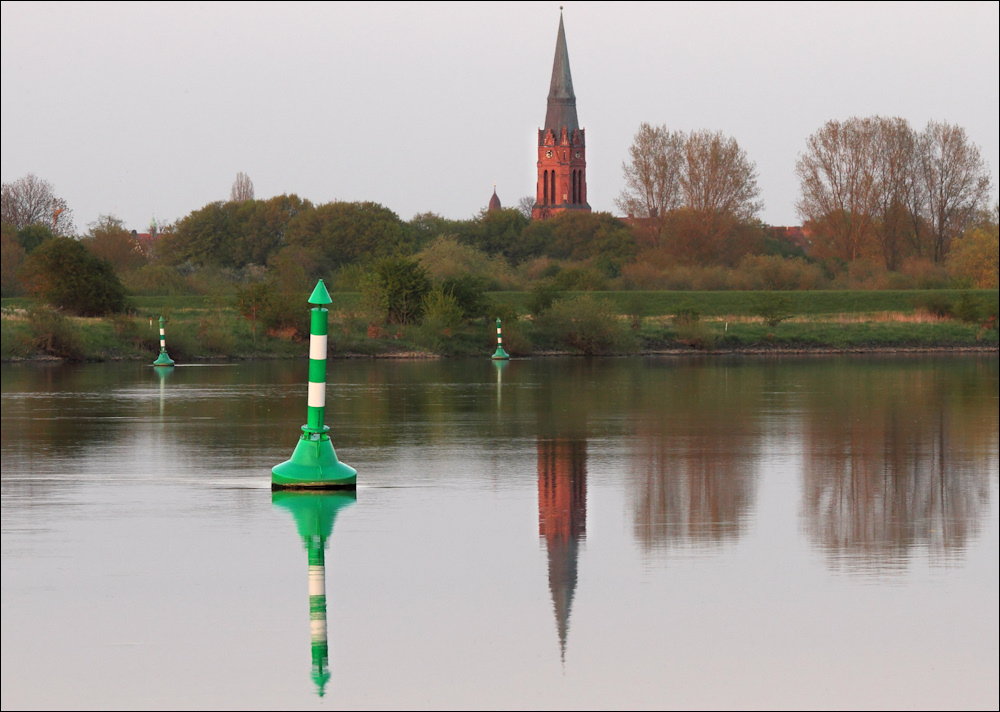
column 315, row 514
column 317, row 613
column 163, row 359
column 500, row 354
column 317, row 370
column 314, row 463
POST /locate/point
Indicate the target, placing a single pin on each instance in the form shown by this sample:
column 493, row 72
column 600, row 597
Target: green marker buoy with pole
column 314, row 463
column 500, row 354
column 163, row 359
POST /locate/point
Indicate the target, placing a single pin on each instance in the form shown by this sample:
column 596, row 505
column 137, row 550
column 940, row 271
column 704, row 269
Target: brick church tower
column 562, row 153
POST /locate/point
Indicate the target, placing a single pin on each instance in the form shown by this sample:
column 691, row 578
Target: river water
column 547, row 533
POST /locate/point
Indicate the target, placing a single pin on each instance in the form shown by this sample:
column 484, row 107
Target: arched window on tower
column 545, row 188
column 552, row 178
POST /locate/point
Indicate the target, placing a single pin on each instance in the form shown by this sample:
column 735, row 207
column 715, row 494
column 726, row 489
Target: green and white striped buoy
column 315, row 513
column 163, row 359
column 314, row 462
column 500, row 354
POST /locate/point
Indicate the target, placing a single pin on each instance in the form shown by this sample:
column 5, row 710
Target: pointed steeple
column 561, row 109
column 494, row 201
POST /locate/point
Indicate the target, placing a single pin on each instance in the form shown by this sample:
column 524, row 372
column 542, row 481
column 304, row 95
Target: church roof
column 494, row 201
column 561, row 109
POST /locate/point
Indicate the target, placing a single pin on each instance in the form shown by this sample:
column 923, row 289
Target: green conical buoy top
column 320, row 295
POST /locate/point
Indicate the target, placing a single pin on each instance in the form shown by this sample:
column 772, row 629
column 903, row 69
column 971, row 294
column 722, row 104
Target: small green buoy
column 500, row 354
column 314, row 463
column 163, row 359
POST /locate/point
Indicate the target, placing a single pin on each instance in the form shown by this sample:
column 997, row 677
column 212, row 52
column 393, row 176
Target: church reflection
column 314, row 514
column 562, row 519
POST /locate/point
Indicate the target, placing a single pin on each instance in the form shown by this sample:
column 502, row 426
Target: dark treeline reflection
column 694, row 452
column 897, row 456
column 895, row 452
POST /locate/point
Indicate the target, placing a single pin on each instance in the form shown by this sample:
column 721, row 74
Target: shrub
column 969, row 309
column 129, row 330
column 935, row 303
column 542, row 296
column 252, row 302
column 156, row 281
column 65, row 274
column 588, row 325
column 642, row 276
column 442, row 316
column 54, row 334
column 774, row 272
column 686, row 315
column 773, row 308
column 395, row 287
column 582, row 279
column 924, row 273
column 469, row 293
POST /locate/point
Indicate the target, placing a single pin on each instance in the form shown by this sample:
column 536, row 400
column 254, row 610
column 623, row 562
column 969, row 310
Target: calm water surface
column 626, row 533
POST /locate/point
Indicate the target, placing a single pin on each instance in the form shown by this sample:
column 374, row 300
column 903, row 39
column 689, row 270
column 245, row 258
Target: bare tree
column 108, row 238
column 31, row 200
column 652, row 172
column 895, row 188
column 718, row 178
column 242, row 189
column 839, row 188
column 525, row 205
column 956, row 182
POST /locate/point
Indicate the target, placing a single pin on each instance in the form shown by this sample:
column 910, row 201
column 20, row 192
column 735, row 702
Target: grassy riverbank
column 590, row 323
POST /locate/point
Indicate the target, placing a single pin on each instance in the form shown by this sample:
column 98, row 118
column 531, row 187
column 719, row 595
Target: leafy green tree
column 426, row 227
column 339, row 234
column 262, row 225
column 11, row 259
column 204, row 237
column 233, row 234
column 67, row 275
column 469, row 294
column 446, row 258
column 580, row 236
column 395, row 288
column 975, row 255
column 499, row 232
column 31, row 236
column 252, row 301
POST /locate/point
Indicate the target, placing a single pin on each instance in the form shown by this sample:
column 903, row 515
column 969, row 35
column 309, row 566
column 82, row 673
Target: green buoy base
column 500, row 354
column 163, row 360
column 314, row 465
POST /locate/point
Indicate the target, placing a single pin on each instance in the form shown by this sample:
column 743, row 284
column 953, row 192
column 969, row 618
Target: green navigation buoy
column 314, row 514
column 500, row 354
column 314, row 462
column 163, row 359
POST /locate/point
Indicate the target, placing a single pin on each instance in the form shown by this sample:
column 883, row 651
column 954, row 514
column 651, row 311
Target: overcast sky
column 148, row 109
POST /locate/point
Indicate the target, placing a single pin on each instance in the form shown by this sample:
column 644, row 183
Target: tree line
column 874, row 195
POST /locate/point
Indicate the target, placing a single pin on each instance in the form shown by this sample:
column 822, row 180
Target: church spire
column 562, row 152
column 561, row 109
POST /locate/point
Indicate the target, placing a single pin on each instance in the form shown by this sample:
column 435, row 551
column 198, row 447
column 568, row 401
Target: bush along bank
column 595, row 324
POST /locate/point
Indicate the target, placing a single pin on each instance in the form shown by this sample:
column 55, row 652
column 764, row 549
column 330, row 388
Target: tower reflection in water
column 314, row 514
column 562, row 519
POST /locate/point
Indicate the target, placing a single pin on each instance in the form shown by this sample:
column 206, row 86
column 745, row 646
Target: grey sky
column 150, row 109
